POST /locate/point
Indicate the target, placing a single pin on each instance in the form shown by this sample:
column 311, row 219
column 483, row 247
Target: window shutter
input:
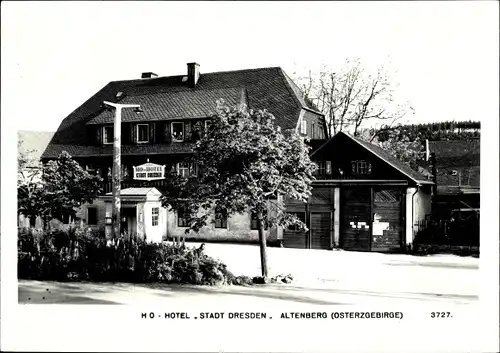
column 152, row 133
column 99, row 139
column 133, row 133
column 167, row 132
column 125, row 133
column 328, row 167
column 187, row 130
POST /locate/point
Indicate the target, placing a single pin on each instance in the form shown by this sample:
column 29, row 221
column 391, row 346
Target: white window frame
column 155, row 216
column 104, row 142
column 303, row 127
column 172, row 131
column 189, row 166
column 137, row 131
column 362, row 167
column 321, row 167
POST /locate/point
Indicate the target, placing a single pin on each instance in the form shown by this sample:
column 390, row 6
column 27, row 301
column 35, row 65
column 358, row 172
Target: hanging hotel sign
column 149, row 171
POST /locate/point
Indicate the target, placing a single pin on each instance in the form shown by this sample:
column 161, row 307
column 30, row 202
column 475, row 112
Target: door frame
column 330, row 225
column 402, row 210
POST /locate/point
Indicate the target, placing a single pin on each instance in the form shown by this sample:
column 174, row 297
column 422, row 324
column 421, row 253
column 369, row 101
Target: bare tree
column 352, row 97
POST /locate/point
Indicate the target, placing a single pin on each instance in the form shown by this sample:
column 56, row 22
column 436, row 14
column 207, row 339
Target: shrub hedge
column 85, row 255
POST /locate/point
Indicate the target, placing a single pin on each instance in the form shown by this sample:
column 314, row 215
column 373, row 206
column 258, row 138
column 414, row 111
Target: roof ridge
column 202, row 73
column 241, row 70
column 289, row 82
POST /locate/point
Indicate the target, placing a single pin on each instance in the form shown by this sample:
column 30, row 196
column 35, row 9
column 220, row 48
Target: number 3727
column 440, row 314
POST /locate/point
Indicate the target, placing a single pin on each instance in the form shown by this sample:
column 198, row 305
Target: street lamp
column 115, row 213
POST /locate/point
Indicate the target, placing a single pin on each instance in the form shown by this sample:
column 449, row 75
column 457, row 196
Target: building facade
column 174, row 114
column 363, row 199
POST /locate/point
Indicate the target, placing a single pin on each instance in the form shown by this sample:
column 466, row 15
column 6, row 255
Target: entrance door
column 387, row 219
column 128, row 220
column 355, row 218
column 321, row 225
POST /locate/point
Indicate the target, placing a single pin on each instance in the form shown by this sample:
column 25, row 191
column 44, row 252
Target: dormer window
column 142, row 133
column 108, row 135
column 178, row 131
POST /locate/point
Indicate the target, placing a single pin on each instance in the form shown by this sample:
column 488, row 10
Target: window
column 142, row 133
column 182, row 220
column 178, row 131
column 301, row 216
column 108, row 135
column 361, row 167
column 155, row 214
column 319, row 132
column 324, row 167
column 303, row 127
column 253, row 222
column 321, row 167
column 313, row 131
column 220, row 220
column 90, row 168
column 207, row 125
column 92, row 216
column 186, row 169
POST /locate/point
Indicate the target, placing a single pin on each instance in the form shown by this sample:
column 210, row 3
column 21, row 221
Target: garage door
column 387, row 220
column 321, row 225
column 355, row 217
column 293, row 238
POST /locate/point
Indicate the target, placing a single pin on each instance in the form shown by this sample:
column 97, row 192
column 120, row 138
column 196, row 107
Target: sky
column 55, row 55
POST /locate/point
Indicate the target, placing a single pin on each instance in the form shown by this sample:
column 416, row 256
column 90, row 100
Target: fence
column 455, row 231
column 107, row 187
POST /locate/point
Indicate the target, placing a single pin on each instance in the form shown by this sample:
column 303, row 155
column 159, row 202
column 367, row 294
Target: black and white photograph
column 250, row 176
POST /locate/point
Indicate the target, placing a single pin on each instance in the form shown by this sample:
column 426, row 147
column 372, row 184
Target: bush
column 78, row 254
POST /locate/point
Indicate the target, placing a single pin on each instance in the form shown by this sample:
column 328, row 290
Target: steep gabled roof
column 172, row 105
column 171, row 97
column 384, row 156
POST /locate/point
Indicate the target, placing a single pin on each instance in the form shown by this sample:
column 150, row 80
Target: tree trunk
column 32, row 221
column 262, row 244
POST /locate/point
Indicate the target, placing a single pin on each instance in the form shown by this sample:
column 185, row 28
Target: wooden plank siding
column 355, row 207
column 387, row 204
column 321, row 226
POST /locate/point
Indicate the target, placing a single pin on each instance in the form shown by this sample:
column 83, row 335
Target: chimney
column 149, row 75
column 193, row 74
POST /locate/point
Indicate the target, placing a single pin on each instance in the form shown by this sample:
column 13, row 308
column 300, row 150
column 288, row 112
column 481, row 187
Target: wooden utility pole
column 116, row 173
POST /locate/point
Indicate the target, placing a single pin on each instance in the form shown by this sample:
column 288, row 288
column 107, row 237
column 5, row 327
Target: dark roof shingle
column 383, row 155
column 171, row 97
